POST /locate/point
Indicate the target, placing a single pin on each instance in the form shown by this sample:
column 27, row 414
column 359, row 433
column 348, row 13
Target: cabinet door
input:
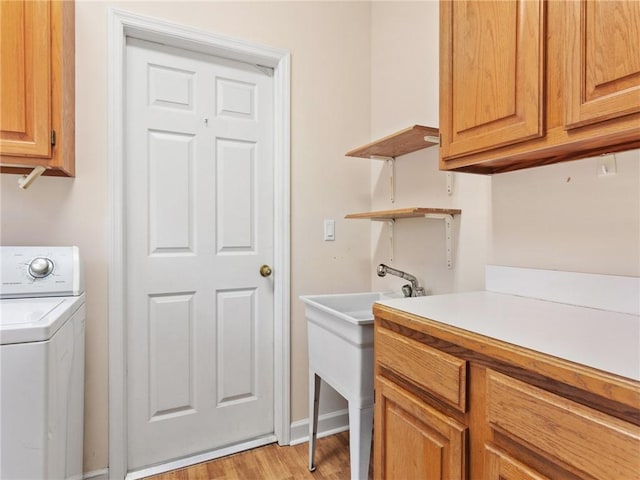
column 602, row 78
column 25, row 79
column 413, row 440
column 491, row 74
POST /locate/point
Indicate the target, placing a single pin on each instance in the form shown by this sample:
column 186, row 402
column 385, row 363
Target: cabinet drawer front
column 437, row 372
column 574, row 435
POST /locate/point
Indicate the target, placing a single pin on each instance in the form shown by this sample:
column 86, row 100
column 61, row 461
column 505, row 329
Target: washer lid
column 25, row 320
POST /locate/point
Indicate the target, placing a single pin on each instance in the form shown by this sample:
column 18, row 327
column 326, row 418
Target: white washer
column 42, row 321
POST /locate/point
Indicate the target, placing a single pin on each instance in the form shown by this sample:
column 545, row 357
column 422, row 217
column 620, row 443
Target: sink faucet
column 413, row 290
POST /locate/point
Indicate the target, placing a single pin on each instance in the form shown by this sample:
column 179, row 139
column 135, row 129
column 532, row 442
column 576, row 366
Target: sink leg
column 360, row 431
column 314, row 398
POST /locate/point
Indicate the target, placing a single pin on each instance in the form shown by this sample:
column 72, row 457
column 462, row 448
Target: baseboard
column 96, row 475
column 202, row 457
column 328, row 424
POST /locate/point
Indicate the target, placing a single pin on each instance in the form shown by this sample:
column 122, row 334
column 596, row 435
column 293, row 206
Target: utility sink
column 352, row 307
column 340, row 336
column 340, row 341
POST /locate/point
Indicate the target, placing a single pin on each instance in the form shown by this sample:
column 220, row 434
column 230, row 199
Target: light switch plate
column 329, row 230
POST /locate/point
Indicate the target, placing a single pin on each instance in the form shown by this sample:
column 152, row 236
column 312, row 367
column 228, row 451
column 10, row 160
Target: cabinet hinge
column 53, row 138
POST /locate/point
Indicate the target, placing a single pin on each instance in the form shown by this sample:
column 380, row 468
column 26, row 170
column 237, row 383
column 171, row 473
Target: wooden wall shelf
column 400, row 143
column 412, row 212
column 391, row 216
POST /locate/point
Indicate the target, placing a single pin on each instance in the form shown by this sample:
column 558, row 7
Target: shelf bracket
column 391, row 162
column 435, row 139
column 448, row 230
column 392, row 225
column 26, row 180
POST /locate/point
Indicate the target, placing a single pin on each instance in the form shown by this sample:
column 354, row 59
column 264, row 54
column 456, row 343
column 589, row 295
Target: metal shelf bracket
column 391, row 222
column 448, row 230
column 392, row 225
column 391, row 162
column 26, row 180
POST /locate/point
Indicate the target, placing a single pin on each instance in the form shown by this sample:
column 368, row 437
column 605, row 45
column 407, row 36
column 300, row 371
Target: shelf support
column 391, row 162
column 26, row 180
column 433, row 139
column 448, row 230
column 449, row 183
column 392, row 224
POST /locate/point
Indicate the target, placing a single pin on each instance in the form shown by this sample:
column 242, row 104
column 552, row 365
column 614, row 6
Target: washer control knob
column 40, row 267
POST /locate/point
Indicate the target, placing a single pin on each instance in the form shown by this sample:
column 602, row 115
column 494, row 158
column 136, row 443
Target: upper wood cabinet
column 528, row 82
column 37, row 86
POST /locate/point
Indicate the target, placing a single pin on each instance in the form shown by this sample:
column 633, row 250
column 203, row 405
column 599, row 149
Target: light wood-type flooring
column 273, row 462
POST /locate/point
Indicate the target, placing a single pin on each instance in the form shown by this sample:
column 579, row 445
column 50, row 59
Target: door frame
column 123, row 24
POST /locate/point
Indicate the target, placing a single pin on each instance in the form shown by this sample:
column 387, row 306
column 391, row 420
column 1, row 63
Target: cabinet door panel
column 603, row 61
column 491, row 74
column 25, row 78
column 413, row 440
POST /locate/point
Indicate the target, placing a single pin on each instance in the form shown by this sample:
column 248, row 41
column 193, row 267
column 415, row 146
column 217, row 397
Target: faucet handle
column 407, row 291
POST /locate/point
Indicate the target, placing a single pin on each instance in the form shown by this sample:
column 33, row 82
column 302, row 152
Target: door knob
column 265, row 270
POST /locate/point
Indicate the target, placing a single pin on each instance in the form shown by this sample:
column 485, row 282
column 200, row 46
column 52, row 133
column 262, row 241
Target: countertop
column 601, row 339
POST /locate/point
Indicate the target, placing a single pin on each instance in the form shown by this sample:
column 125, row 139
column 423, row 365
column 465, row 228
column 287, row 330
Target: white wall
column 566, row 217
column 404, row 91
column 330, row 107
column 360, row 70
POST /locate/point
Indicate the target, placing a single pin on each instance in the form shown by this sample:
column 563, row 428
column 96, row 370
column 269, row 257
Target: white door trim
column 123, row 24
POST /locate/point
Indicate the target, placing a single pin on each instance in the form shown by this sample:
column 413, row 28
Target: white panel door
column 199, row 224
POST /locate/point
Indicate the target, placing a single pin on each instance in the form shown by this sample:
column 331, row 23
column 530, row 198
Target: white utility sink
column 340, row 340
column 352, row 307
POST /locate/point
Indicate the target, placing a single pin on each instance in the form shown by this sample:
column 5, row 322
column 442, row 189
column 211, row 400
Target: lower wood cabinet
column 456, row 405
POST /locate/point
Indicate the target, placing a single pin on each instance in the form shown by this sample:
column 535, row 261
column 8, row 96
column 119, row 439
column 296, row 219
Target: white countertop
column 609, row 341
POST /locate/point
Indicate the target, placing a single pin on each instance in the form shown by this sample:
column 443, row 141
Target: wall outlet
column 606, row 165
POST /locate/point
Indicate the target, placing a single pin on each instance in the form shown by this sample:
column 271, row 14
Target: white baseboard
column 203, row 457
column 328, row 424
column 96, row 475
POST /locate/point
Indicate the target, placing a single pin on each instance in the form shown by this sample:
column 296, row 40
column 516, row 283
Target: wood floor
column 274, row 463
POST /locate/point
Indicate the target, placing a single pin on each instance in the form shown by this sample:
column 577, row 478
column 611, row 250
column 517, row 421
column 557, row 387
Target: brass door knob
column 265, row 270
